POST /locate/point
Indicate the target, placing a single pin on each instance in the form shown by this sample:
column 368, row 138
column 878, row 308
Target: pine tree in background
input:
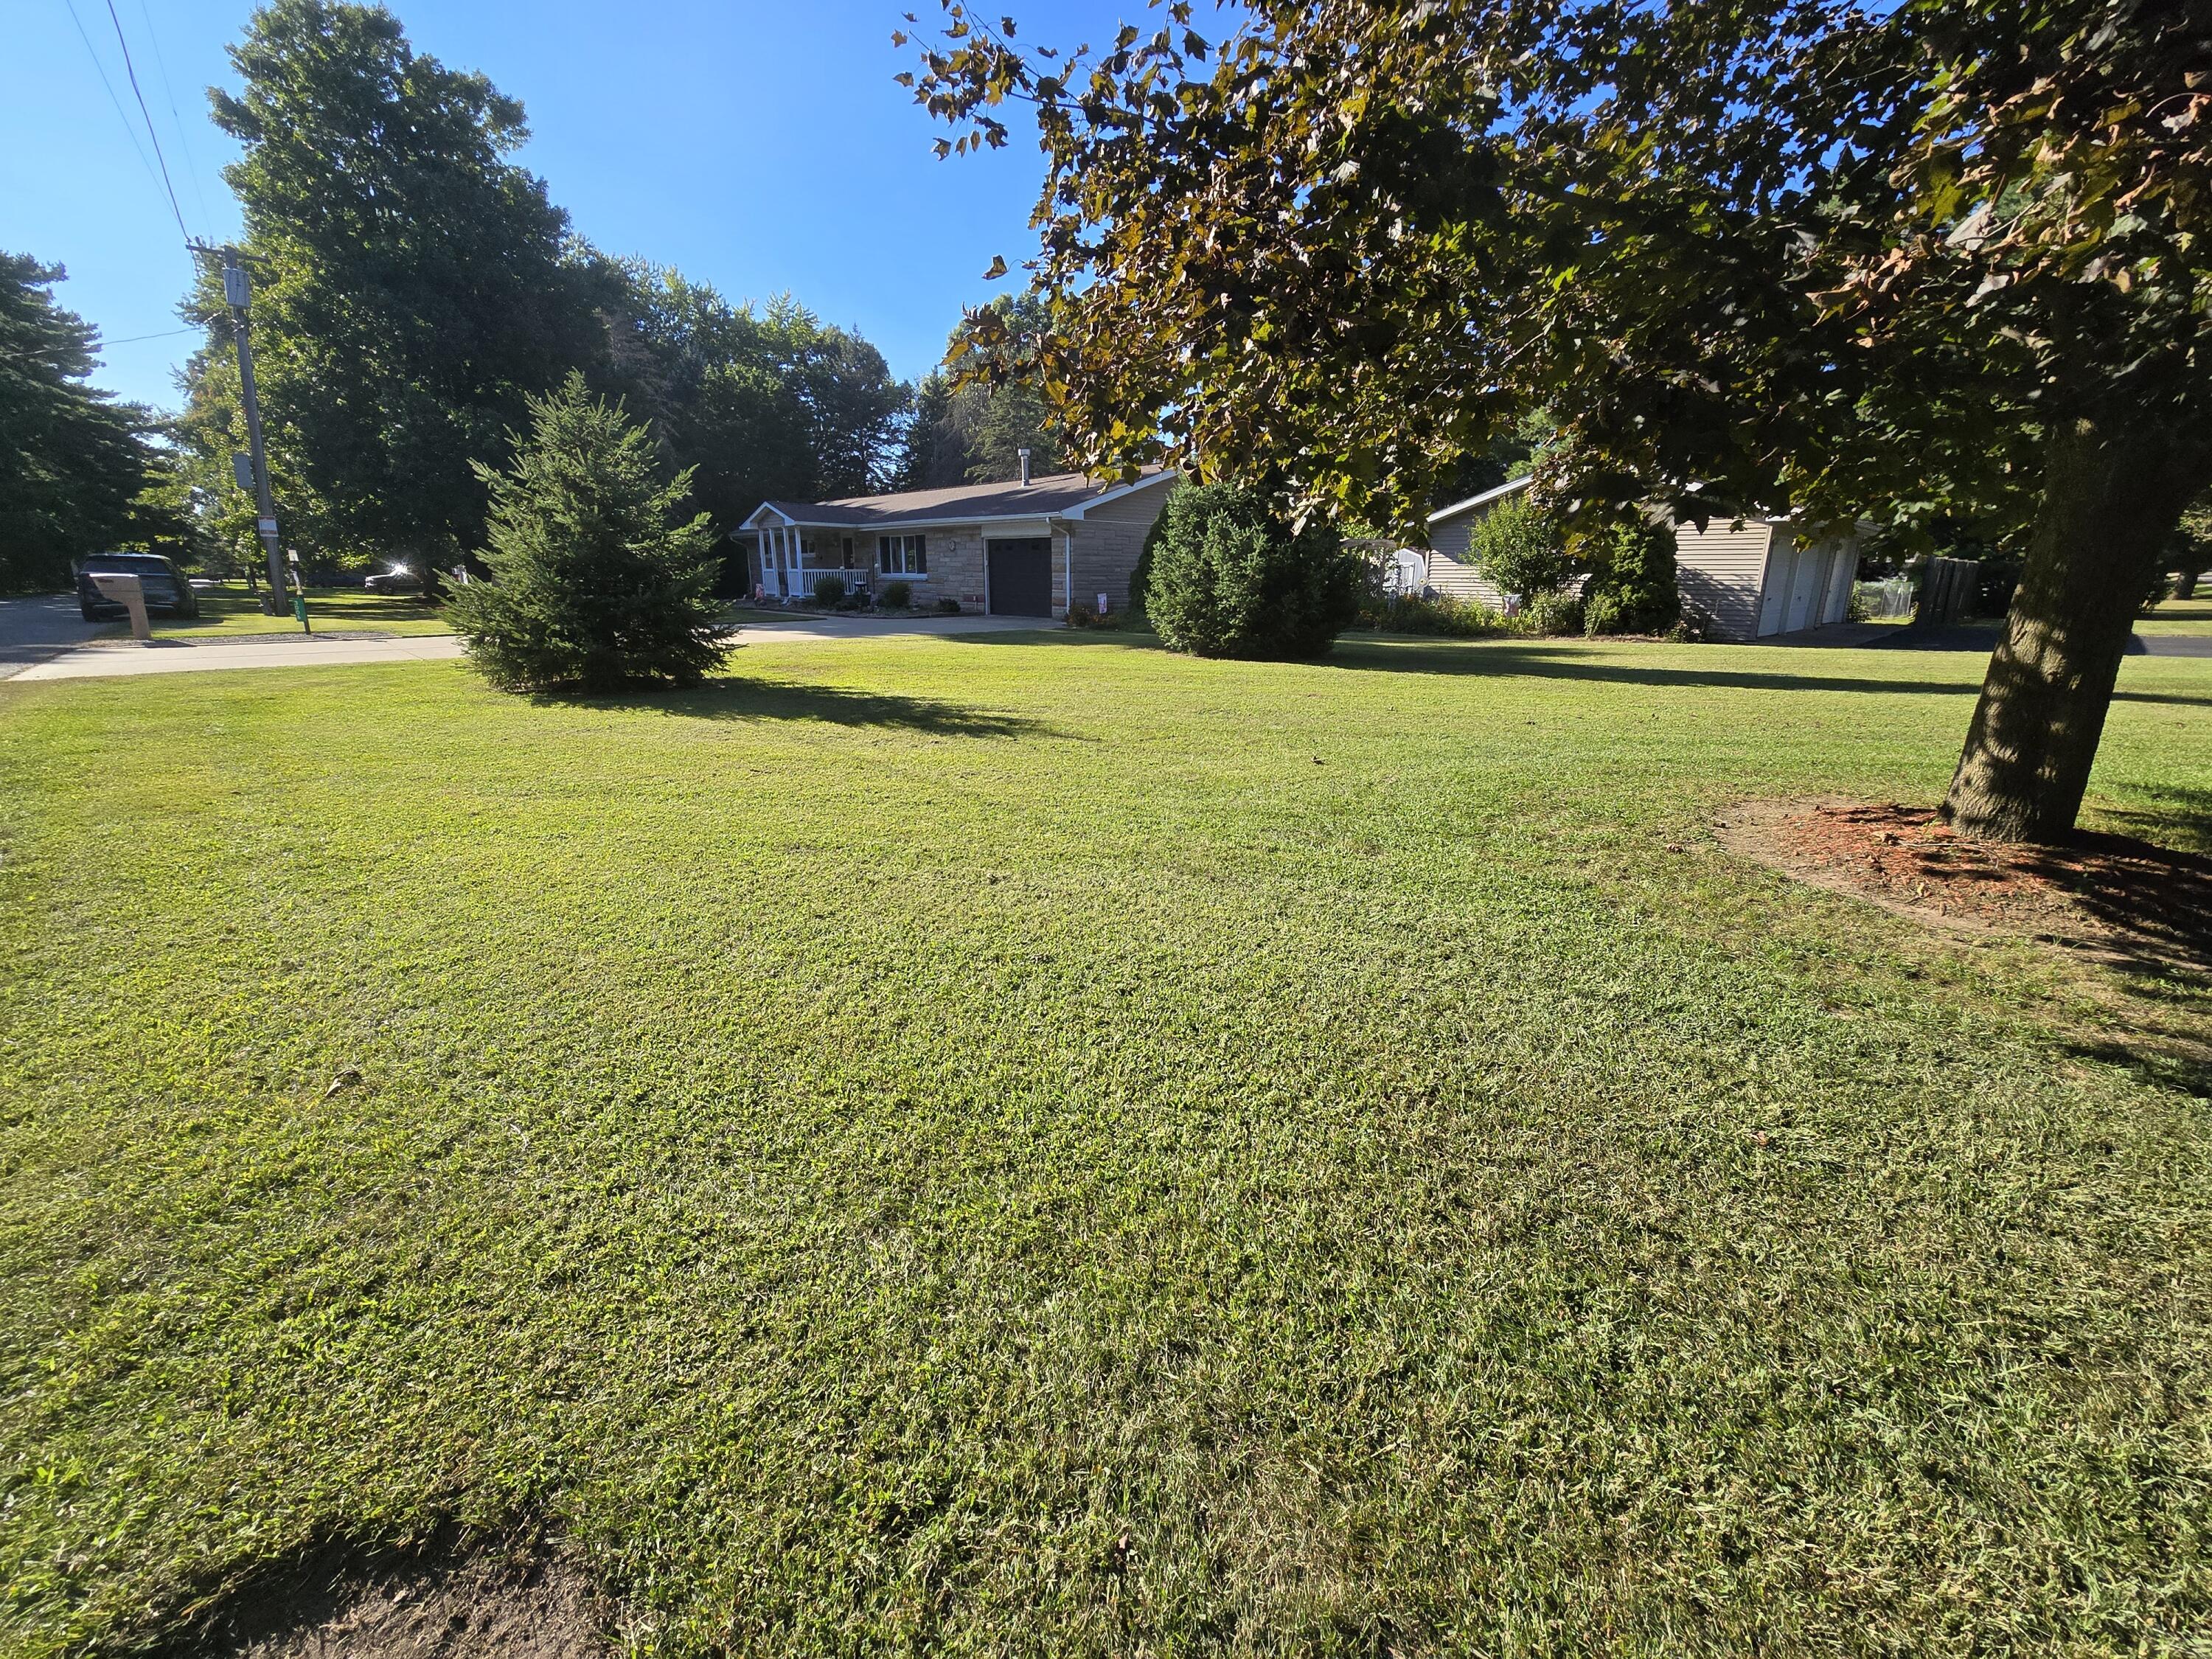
column 595, row 584
column 72, row 460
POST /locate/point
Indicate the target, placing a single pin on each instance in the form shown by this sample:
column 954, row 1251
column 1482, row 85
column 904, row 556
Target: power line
column 131, row 69
column 167, row 334
column 168, row 91
column 100, row 69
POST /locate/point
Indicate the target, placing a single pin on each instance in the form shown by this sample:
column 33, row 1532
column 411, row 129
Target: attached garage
column 1020, row 575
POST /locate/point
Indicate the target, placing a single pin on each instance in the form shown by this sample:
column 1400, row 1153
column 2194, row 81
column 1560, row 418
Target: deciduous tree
column 411, row 284
column 1938, row 258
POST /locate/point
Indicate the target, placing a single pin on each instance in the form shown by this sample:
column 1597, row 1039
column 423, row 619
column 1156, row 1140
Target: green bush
column 1631, row 588
column 1413, row 613
column 948, row 606
column 895, row 596
column 1229, row 578
column 594, row 584
column 1141, row 579
column 829, row 592
column 1556, row 612
column 1519, row 548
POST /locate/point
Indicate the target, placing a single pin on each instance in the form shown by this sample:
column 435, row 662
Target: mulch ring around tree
column 2119, row 899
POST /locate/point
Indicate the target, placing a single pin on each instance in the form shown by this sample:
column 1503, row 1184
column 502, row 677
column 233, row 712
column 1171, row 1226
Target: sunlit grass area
column 1040, row 1145
column 229, row 610
column 2190, row 616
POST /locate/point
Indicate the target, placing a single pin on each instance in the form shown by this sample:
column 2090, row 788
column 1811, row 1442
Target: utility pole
column 238, row 294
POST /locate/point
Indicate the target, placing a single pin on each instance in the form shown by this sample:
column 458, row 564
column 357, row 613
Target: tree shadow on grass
column 739, row 697
column 1542, row 662
column 2176, row 816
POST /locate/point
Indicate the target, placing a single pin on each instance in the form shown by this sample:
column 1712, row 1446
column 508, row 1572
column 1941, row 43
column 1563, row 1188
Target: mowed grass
column 2189, row 615
column 229, row 611
column 1040, row 1145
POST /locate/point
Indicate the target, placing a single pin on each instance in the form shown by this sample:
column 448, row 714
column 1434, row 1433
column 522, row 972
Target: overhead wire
column 166, row 334
column 131, row 69
column 169, row 92
column 100, row 69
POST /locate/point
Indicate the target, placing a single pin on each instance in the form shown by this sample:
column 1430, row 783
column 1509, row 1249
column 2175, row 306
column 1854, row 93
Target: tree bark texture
column 2111, row 497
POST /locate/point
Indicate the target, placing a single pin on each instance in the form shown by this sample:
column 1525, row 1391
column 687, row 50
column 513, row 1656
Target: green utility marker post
column 299, row 589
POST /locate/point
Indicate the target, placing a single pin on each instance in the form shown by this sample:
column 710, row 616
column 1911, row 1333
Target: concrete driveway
column 62, row 654
column 31, row 630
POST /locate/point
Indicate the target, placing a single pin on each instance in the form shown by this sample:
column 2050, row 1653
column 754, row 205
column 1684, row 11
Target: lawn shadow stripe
column 742, row 697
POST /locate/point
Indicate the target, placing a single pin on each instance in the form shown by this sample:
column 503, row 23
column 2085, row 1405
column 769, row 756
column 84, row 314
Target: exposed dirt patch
column 513, row 1601
column 2122, row 900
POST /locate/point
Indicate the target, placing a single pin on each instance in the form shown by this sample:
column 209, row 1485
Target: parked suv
column 165, row 585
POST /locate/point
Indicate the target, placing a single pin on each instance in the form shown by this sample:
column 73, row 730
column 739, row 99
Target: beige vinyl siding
column 1722, row 570
column 1450, row 575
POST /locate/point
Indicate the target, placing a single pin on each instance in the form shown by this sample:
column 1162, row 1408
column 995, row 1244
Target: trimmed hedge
column 1229, row 577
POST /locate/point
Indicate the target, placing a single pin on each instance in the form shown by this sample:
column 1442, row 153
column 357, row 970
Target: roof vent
column 1025, row 454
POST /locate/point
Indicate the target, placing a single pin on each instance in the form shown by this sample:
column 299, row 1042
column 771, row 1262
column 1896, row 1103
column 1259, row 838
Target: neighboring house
column 1008, row 550
column 1753, row 576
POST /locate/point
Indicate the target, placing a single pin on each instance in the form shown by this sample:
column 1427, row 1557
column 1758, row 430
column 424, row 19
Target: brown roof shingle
column 1054, row 493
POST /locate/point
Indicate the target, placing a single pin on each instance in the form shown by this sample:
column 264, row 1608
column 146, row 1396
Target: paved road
column 31, row 630
column 55, row 659
column 1979, row 638
column 2171, row 645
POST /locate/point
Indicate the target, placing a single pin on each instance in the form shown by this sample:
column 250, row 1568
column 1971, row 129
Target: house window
column 903, row 555
column 848, row 552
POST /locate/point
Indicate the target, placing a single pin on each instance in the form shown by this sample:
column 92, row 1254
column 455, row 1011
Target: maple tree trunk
column 2111, row 497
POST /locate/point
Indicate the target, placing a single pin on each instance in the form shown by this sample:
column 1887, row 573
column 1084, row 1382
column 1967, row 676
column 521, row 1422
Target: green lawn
column 1040, row 1145
column 2178, row 617
column 228, row 611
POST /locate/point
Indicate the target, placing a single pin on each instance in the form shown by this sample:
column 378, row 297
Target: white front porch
column 788, row 560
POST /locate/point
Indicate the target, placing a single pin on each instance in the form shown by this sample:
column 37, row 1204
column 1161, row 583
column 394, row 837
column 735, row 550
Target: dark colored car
column 398, row 580
column 165, row 585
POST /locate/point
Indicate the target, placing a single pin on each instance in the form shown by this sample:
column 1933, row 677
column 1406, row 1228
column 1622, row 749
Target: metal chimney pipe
column 1025, row 454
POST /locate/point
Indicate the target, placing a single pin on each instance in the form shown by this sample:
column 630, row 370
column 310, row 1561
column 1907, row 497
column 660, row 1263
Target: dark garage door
column 1021, row 576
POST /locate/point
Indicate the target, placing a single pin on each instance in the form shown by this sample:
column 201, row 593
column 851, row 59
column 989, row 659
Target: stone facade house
column 1026, row 549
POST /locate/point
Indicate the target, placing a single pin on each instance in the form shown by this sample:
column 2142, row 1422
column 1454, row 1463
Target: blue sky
column 758, row 146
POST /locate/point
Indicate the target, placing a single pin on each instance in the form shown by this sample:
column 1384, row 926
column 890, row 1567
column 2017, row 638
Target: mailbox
column 130, row 593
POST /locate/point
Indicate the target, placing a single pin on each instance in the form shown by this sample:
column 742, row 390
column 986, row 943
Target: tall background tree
column 411, row 286
column 971, row 424
column 1942, row 258
column 758, row 404
column 414, row 288
column 73, row 461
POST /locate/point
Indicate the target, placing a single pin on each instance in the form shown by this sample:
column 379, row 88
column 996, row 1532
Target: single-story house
column 1753, row 576
column 1024, row 549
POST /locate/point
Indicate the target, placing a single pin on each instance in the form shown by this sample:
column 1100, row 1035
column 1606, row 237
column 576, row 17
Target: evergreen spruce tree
column 595, row 584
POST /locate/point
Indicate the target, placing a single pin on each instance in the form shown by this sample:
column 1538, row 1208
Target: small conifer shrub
column 595, row 583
